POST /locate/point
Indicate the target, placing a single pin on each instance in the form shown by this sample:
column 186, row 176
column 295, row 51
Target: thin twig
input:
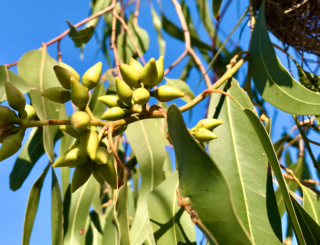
column 113, row 44
column 136, row 12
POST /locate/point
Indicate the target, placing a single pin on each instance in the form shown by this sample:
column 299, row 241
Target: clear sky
column 26, row 24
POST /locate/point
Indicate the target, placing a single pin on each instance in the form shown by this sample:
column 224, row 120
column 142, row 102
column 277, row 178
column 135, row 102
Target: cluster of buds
column 203, row 130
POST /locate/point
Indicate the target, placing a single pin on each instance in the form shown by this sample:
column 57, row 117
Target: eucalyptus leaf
column 213, row 204
column 182, row 86
column 171, row 223
column 216, row 4
column 97, row 6
column 272, row 80
column 110, row 234
column 56, row 211
column 96, row 106
column 203, row 10
column 158, row 26
column 32, row 207
column 150, row 153
column 240, row 156
column 81, row 37
column 14, row 79
column 36, row 67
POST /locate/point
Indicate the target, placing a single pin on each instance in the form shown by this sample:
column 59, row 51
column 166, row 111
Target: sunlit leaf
column 97, row 6
column 81, row 37
column 110, row 234
column 158, row 26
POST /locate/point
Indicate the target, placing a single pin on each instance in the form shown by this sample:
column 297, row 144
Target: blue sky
column 26, row 24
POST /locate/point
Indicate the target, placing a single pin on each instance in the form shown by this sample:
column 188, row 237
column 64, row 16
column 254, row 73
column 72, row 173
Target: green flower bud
column 57, row 94
column 76, row 156
column 203, row 135
column 209, row 124
column 111, row 101
column 64, row 74
column 59, row 162
column 166, row 93
column 135, row 64
column 141, row 96
column 130, row 75
column 89, row 141
column 80, row 176
column 149, row 73
column 91, row 77
column 102, row 155
column 160, row 69
column 124, row 91
column 114, row 113
column 79, row 94
column 108, row 173
column 15, row 98
column 80, row 120
column 69, row 68
column 11, row 144
column 7, row 116
column 71, row 131
column 29, row 113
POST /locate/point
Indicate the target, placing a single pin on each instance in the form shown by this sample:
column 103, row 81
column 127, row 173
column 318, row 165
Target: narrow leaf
column 81, row 37
column 272, row 80
column 158, row 26
column 216, row 4
column 32, row 207
column 97, row 7
column 171, row 224
column 212, row 202
column 56, row 211
column 203, row 10
column 110, row 234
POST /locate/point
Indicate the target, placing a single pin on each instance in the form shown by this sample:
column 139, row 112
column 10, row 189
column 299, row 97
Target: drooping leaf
column 203, row 10
column 150, row 153
column 123, row 216
column 212, row 202
column 110, row 234
column 96, row 106
column 56, row 211
column 81, row 37
column 32, row 207
column 182, row 86
column 171, row 224
column 273, row 160
column 36, row 67
column 16, row 80
column 80, row 203
column 216, row 4
column 272, row 80
column 97, row 6
column 239, row 155
column 158, row 26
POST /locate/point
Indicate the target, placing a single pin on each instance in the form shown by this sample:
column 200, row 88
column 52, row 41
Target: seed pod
column 15, row 98
column 160, row 68
column 64, row 74
column 61, row 163
column 79, row 94
column 141, row 96
column 166, row 93
column 29, row 113
column 57, row 94
column 203, row 135
column 91, row 77
column 149, row 73
column 7, row 116
column 114, row 113
column 124, row 91
column 80, row 120
column 76, row 156
column 209, row 124
column 69, row 68
column 71, row 131
column 80, row 176
column 130, row 75
column 135, row 64
column 90, row 142
column 102, row 155
column 111, row 101
column 11, row 144
column 108, row 173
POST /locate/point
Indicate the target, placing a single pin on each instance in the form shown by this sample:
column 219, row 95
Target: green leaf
column 96, row 106
column 234, row 151
column 30, row 154
column 203, row 10
column 80, row 203
column 311, row 203
column 310, row 229
column 36, row 67
column 171, row 224
column 110, row 234
column 158, row 26
column 97, row 6
column 182, row 86
column 123, row 216
column 213, row 204
column 56, row 211
column 273, row 160
column 272, row 80
column 216, row 4
column 32, row 207
column 16, row 80
column 150, row 152
column 81, row 37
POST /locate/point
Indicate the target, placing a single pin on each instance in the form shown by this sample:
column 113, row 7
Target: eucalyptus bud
column 102, row 155
column 57, row 94
column 124, row 91
column 80, row 120
column 130, row 75
column 203, row 135
column 11, row 144
column 141, row 96
column 7, row 116
column 15, row 97
column 149, row 73
column 111, row 101
column 135, row 64
column 64, row 73
column 209, row 124
column 71, row 131
column 89, row 141
column 79, row 94
column 29, row 113
column 91, row 77
column 166, row 93
column 108, row 173
column 114, row 113
column 160, row 69
column 80, row 176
